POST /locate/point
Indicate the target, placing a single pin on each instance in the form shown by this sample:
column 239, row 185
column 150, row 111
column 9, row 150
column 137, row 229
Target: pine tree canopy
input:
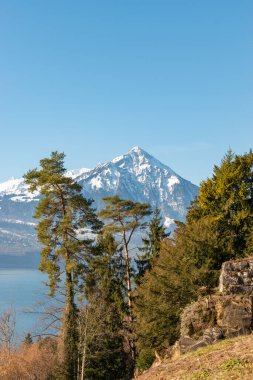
column 226, row 199
column 64, row 214
column 124, row 215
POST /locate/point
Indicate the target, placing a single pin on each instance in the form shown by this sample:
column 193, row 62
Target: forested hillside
column 118, row 314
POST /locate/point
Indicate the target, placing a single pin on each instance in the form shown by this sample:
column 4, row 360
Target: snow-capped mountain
column 135, row 175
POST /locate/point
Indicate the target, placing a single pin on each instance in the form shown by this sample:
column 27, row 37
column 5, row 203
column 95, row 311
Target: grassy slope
column 229, row 359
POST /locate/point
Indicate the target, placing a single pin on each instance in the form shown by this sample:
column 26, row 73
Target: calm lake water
column 23, row 289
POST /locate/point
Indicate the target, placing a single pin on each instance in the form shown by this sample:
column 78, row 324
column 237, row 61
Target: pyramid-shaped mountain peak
column 135, row 175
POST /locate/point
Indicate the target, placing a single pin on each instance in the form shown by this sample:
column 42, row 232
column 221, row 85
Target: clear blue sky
column 93, row 78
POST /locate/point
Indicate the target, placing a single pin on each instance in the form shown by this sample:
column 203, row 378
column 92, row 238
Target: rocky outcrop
column 237, row 277
column 224, row 315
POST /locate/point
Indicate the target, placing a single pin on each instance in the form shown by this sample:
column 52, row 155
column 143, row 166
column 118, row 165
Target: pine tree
column 227, row 200
column 159, row 299
column 152, row 242
column 63, row 214
column 125, row 218
column 103, row 314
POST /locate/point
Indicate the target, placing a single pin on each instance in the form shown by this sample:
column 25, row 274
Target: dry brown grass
column 30, row 362
column 228, row 360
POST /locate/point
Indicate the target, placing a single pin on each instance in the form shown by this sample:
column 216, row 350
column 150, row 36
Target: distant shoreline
column 25, row 261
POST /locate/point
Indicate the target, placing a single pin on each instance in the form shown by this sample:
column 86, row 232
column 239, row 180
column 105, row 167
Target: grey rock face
column 224, row 315
column 237, row 277
column 210, row 336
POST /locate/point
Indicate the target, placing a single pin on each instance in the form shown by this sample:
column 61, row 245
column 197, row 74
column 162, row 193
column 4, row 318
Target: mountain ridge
column 135, row 175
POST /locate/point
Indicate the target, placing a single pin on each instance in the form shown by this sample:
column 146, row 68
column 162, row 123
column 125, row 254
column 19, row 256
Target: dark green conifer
column 28, row 339
column 226, row 199
column 152, row 242
column 103, row 315
column 159, row 299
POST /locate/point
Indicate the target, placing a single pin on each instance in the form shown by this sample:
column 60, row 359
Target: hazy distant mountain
column 135, row 175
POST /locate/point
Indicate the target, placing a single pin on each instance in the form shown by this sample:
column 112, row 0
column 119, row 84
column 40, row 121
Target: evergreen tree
column 226, row 199
column 125, row 218
column 103, row 315
column 159, row 299
column 63, row 213
column 28, row 339
column 152, row 242
column 219, row 223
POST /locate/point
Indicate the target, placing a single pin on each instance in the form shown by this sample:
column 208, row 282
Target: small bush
column 145, row 359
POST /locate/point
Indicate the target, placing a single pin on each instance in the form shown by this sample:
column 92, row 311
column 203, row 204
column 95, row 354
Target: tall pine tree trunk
column 70, row 331
column 129, row 301
column 84, row 351
column 69, row 322
column 128, row 276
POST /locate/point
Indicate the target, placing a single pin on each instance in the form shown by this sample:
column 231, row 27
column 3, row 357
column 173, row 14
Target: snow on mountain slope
column 135, row 175
column 77, row 173
column 138, row 176
column 19, row 190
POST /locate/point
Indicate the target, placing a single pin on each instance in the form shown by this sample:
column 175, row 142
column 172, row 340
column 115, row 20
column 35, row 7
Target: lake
column 23, row 289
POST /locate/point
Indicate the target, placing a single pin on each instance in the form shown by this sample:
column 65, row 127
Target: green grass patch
column 214, row 347
column 232, row 364
column 201, row 375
